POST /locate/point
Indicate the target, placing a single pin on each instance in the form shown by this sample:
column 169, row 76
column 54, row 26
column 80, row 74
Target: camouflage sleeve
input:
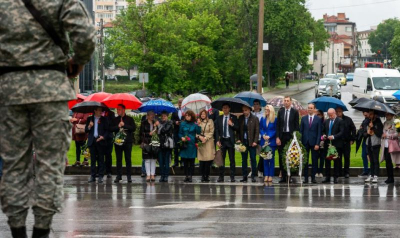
column 77, row 23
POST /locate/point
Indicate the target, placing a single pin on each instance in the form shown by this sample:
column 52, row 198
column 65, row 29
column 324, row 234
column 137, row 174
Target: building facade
column 341, row 53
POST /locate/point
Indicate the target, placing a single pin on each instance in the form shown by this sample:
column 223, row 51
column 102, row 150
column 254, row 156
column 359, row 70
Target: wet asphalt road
column 346, row 91
column 175, row 209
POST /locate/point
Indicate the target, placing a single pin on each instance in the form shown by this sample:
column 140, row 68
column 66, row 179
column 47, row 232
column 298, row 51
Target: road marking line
column 318, row 209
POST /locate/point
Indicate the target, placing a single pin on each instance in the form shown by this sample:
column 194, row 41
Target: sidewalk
column 293, row 89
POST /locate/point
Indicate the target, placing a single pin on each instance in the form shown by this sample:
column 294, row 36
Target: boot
column 18, row 232
column 40, row 233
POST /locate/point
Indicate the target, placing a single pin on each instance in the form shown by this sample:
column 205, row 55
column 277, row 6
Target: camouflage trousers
column 45, row 128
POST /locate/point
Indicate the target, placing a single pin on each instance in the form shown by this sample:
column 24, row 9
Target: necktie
column 330, row 128
column 286, row 120
column 225, row 127
column 310, row 121
column 245, row 128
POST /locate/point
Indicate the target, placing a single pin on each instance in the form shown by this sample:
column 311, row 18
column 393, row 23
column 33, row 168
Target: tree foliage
column 381, row 38
column 187, row 46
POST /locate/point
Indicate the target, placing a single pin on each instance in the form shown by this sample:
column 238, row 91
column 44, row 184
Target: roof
column 108, row 25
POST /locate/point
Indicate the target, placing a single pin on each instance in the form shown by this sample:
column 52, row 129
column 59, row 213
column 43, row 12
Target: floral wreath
column 294, row 154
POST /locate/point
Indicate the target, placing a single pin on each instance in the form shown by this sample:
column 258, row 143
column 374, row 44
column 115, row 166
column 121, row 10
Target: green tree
column 395, row 48
column 383, row 36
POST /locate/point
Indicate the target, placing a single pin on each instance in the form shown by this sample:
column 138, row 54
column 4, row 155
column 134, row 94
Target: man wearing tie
column 176, row 119
column 249, row 131
column 310, row 129
column 226, row 126
column 97, row 127
column 287, row 123
column 333, row 130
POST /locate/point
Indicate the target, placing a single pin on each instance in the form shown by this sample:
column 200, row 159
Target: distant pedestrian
column 166, row 135
column 187, row 134
column 79, row 135
column 375, row 131
column 287, row 78
column 390, row 143
column 98, row 128
column 268, row 134
column 206, row 151
column 147, row 129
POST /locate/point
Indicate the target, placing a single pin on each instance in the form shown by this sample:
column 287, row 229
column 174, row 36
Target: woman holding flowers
column 206, row 148
column 389, row 141
column 268, row 137
column 187, row 133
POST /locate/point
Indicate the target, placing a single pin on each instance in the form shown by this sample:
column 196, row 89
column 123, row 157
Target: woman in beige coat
column 389, row 138
column 206, row 151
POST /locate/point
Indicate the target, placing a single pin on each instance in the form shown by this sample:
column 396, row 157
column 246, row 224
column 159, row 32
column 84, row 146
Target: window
column 100, row 7
column 348, row 29
column 331, row 28
column 119, row 8
column 108, row 7
column 100, row 15
column 108, row 15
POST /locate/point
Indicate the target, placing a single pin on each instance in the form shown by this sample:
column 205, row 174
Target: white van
column 376, row 83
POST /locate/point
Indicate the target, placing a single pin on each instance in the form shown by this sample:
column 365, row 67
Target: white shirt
column 180, row 113
column 288, row 116
column 259, row 115
column 223, row 124
column 96, row 123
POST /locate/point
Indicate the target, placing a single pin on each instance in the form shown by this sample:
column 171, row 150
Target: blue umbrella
column 397, row 95
column 249, row 97
column 158, row 106
column 324, row 103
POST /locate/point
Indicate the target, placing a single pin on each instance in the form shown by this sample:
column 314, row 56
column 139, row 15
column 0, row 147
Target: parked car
column 350, row 77
column 111, row 77
column 328, row 87
column 310, row 76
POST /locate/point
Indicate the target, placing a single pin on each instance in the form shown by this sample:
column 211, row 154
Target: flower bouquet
column 266, row 151
column 240, row 147
column 397, row 124
column 294, row 153
column 85, row 151
column 120, row 137
column 332, row 153
column 184, row 144
column 155, row 140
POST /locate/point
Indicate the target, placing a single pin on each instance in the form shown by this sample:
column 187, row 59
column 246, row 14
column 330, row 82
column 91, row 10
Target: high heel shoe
column 148, row 179
column 266, row 179
column 152, row 178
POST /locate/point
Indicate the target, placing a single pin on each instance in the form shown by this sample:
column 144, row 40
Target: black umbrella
column 359, row 139
column 355, row 101
column 88, row 107
column 380, row 108
column 236, row 104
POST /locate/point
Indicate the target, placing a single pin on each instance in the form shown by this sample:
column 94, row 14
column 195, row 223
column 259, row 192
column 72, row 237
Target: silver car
column 328, row 87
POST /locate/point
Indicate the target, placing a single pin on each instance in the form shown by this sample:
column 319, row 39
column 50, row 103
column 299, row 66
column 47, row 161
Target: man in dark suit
column 177, row 117
column 110, row 115
column 349, row 136
column 311, row 129
column 226, row 126
column 97, row 127
column 127, row 124
column 333, row 130
column 249, row 131
column 287, row 123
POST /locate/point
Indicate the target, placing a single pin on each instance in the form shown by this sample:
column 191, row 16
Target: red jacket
column 82, row 117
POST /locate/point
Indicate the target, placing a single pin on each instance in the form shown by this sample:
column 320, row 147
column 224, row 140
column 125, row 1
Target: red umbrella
column 97, row 97
column 79, row 98
column 126, row 99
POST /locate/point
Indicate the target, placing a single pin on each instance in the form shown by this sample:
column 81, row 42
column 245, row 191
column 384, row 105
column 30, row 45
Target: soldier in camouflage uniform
column 33, row 105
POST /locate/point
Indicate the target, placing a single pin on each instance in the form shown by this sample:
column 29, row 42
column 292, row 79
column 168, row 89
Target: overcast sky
column 364, row 13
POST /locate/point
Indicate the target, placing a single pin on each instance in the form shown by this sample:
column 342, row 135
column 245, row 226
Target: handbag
column 80, row 128
column 394, row 146
column 169, row 142
column 218, row 160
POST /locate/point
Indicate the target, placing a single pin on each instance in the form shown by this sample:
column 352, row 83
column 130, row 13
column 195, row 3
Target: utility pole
column 102, row 54
column 333, row 57
column 260, row 45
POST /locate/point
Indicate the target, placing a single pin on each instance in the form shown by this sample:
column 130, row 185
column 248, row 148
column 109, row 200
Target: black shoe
column 389, row 181
column 305, row 180
column 363, row 174
column 117, row 180
column 129, row 180
column 40, row 233
column 327, row 180
column 18, row 232
column 190, row 179
column 161, row 179
column 203, row 179
column 335, row 180
column 186, row 180
column 244, row 180
column 253, row 180
column 100, row 180
column 91, row 180
column 165, row 180
column 207, row 179
column 143, row 175
column 347, row 175
column 282, row 180
column 313, row 180
column 233, row 179
column 220, row 179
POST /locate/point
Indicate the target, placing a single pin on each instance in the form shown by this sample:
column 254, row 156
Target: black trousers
column 205, row 168
column 97, row 156
column 373, row 153
column 286, row 137
column 188, row 165
column 346, row 158
column 227, row 146
column 108, row 156
column 78, row 147
column 389, row 163
column 336, row 164
column 126, row 148
column 176, row 149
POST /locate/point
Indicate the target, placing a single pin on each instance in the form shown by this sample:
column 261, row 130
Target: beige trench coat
column 207, row 151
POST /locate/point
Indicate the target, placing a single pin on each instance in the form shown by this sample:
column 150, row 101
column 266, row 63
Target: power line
column 355, row 5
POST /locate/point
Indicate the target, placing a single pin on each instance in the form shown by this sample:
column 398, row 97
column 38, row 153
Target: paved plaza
column 175, row 209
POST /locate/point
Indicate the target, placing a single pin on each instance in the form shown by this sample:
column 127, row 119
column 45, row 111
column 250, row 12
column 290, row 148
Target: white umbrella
column 196, row 102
